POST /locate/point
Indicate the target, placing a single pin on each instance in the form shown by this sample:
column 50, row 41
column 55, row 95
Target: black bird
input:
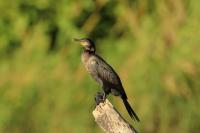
column 104, row 74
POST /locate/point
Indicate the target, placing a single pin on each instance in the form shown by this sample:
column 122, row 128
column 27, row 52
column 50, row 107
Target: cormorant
column 104, row 74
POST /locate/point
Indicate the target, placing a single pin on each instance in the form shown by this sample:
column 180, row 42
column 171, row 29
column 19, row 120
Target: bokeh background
column 154, row 45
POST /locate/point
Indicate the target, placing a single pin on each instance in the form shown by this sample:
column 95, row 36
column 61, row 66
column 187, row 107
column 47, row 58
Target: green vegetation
column 154, row 46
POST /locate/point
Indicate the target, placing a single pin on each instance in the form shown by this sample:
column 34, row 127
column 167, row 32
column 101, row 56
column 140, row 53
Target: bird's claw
column 100, row 98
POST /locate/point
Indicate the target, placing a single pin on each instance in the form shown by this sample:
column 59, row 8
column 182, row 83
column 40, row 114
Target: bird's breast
column 85, row 57
column 88, row 61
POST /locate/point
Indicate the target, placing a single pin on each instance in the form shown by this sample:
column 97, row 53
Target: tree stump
column 109, row 119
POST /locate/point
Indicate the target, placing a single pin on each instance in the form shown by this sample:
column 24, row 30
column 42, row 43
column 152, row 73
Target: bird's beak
column 76, row 39
column 83, row 43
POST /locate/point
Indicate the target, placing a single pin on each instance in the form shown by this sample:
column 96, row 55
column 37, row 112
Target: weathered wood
column 110, row 120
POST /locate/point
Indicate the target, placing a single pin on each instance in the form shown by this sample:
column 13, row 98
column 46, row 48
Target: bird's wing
column 104, row 71
column 99, row 69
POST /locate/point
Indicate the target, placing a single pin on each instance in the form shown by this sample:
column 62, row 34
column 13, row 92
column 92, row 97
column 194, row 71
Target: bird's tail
column 130, row 110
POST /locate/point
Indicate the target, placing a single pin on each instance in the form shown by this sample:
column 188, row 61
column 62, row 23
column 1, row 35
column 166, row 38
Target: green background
column 154, row 45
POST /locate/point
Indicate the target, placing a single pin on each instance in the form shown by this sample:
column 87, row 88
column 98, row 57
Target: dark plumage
column 104, row 74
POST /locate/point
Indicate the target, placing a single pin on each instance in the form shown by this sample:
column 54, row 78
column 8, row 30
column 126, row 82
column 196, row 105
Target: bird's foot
column 100, row 98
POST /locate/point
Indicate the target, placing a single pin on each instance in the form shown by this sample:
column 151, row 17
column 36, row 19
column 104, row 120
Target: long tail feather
column 130, row 110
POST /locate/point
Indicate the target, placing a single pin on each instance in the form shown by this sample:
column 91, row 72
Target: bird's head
column 88, row 44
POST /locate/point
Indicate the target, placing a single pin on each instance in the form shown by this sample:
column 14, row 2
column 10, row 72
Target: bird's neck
column 89, row 51
column 86, row 54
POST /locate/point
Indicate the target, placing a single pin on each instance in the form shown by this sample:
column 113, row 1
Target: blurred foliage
column 153, row 45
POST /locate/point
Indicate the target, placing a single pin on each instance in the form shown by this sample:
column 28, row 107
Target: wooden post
column 107, row 117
